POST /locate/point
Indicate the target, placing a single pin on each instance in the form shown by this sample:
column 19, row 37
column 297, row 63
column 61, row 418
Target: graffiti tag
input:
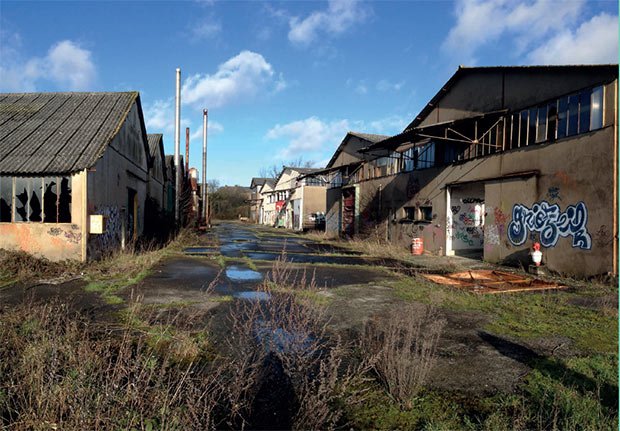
column 550, row 223
column 554, row 193
column 472, row 201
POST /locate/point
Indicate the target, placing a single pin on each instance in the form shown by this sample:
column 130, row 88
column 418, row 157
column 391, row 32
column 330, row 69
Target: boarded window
column 6, row 199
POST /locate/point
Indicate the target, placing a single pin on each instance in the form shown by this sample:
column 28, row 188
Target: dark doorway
column 348, row 211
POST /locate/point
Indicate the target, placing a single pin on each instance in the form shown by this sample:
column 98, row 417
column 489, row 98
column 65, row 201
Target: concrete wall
column 576, row 174
column 313, row 201
column 122, row 167
column 54, row 241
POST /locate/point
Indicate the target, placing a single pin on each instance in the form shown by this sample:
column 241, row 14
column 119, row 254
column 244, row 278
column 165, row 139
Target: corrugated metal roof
column 155, row 139
column 45, row 133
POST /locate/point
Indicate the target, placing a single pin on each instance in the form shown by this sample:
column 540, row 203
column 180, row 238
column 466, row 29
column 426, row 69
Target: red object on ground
column 417, row 246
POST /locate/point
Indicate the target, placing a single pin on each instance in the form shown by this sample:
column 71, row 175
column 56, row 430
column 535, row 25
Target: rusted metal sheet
column 492, row 281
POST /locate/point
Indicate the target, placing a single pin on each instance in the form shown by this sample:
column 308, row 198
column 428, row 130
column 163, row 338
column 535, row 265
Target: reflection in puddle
column 253, row 295
column 235, row 273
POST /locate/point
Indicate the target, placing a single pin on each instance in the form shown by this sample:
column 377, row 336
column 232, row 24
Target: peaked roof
column 60, row 132
column 156, row 145
column 256, row 181
column 368, row 137
column 464, row 70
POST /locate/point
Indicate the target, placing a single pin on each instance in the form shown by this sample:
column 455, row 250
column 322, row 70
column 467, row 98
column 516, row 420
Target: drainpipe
column 205, row 202
column 615, row 215
column 177, row 146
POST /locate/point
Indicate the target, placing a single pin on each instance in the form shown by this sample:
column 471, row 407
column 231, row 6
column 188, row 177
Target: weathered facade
column 500, row 158
column 75, row 173
column 256, row 199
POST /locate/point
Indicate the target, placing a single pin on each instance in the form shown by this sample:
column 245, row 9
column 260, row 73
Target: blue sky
column 284, row 80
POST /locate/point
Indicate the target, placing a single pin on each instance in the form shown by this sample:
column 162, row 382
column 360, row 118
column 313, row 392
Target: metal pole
column 177, row 147
column 208, row 218
column 205, row 114
column 187, row 150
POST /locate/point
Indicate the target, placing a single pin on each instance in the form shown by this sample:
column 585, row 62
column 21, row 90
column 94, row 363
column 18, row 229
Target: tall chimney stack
column 187, row 149
column 205, row 196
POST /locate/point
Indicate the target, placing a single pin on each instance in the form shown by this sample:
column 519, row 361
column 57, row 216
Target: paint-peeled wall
column 117, row 183
column 54, row 241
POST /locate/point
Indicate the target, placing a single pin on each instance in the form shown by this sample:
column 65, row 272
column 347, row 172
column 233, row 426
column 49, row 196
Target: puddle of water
column 252, row 295
column 236, row 273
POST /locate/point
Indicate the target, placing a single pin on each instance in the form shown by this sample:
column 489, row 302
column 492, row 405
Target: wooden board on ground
column 491, row 281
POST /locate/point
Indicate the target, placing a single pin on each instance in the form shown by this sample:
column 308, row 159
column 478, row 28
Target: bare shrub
column 401, row 349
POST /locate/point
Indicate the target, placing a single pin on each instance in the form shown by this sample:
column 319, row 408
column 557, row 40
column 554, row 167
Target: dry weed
column 401, row 349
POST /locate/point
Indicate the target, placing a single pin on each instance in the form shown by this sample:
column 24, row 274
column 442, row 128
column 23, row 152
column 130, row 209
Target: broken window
column 6, row 199
column 37, row 199
column 22, row 187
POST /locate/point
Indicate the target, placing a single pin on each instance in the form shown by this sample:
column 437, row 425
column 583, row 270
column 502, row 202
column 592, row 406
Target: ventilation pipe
column 177, row 147
column 205, row 196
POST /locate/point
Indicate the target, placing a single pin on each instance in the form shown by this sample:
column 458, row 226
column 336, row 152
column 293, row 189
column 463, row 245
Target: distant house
column 256, row 199
column 74, row 173
column 500, row 158
column 267, row 210
column 297, row 195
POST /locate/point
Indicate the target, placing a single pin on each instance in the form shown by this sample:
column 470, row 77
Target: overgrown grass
column 528, row 315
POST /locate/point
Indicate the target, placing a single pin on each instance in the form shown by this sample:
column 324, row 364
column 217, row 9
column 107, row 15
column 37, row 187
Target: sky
column 286, row 80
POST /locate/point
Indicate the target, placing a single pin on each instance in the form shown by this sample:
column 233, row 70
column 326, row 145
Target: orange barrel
column 417, row 246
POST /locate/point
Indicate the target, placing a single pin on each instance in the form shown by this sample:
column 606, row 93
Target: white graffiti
column 552, row 224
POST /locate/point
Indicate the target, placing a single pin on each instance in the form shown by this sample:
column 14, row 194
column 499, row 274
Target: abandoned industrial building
column 77, row 173
column 498, row 159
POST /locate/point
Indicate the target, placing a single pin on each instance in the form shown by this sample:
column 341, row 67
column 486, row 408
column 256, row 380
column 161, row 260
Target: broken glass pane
column 64, row 201
column 36, row 210
column 22, row 186
column 6, row 198
column 50, row 200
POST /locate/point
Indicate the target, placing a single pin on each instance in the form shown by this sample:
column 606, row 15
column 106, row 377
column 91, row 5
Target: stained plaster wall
column 54, row 241
column 123, row 166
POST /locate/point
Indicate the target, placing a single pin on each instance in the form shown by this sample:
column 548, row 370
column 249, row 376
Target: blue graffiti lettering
column 550, row 223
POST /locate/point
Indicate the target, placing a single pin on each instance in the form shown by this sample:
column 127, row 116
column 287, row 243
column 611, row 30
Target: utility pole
column 177, row 148
column 205, row 194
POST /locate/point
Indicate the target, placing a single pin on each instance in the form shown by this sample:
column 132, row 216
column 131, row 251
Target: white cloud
column 313, row 138
column 385, row 85
column 212, row 128
column 339, row 16
column 66, row 64
column 595, row 41
column 309, row 136
column 207, row 29
column 71, row 65
column 239, row 78
column 480, row 23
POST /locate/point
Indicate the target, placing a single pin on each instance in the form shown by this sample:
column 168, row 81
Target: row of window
column 35, row 199
column 279, row 196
